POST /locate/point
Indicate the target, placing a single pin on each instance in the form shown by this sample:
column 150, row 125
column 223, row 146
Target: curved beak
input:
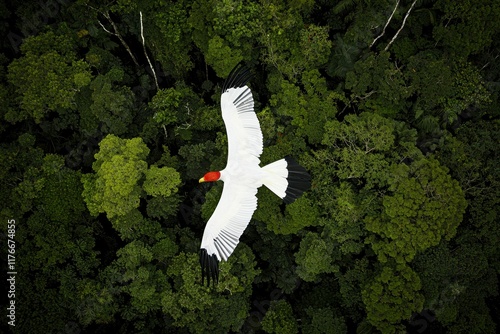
column 202, row 180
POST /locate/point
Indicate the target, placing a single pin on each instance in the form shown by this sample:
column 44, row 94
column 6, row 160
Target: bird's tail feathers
column 286, row 178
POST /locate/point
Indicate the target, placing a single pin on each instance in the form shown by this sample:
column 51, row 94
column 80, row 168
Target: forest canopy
column 110, row 115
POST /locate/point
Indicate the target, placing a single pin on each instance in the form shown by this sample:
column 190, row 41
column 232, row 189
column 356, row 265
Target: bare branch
column 117, row 34
column 488, row 63
column 165, row 129
column 146, row 54
column 104, row 28
column 386, row 24
column 402, row 25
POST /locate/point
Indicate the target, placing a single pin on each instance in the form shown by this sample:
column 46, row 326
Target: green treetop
column 47, row 77
column 121, row 178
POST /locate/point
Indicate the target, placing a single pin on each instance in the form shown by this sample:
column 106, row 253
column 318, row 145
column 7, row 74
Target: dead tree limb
column 146, row 54
column 115, row 33
column 402, row 26
column 386, row 24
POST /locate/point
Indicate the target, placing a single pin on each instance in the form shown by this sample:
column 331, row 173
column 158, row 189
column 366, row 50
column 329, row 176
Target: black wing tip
column 209, row 267
column 298, row 179
column 238, row 77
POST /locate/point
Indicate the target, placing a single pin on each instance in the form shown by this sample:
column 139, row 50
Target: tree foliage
column 279, row 319
column 114, row 187
column 111, row 114
column 392, row 297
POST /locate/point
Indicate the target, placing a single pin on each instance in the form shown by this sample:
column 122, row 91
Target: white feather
column 275, row 177
column 242, row 126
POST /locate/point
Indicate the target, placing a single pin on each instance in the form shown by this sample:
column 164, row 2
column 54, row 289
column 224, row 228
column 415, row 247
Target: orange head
column 210, row 177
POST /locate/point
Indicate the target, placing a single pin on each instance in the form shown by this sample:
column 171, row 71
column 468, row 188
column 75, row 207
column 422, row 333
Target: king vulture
column 243, row 176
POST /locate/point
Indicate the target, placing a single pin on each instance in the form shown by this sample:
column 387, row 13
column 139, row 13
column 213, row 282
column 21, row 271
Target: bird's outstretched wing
column 224, row 229
column 244, row 135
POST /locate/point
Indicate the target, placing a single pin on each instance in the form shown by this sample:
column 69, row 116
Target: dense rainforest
column 110, row 115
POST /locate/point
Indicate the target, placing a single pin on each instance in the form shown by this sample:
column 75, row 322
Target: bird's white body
column 243, row 176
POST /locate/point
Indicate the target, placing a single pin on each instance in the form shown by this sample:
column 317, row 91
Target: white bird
column 243, row 176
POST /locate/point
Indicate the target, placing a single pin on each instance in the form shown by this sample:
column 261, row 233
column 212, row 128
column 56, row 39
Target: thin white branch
column 117, row 34
column 104, row 28
column 386, row 24
column 146, row 54
column 165, row 129
column 402, row 25
column 142, row 28
column 486, row 65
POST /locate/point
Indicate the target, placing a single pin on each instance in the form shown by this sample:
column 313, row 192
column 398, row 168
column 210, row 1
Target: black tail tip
column 209, row 267
column 298, row 179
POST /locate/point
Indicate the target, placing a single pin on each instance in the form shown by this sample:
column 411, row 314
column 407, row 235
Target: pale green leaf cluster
column 121, row 176
column 161, row 181
column 114, row 187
